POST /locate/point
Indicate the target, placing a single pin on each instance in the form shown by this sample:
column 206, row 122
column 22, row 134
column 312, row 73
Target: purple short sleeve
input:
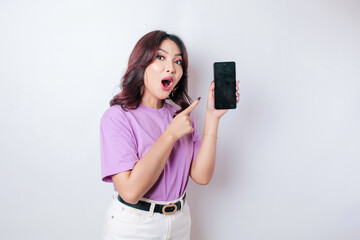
column 118, row 149
column 126, row 137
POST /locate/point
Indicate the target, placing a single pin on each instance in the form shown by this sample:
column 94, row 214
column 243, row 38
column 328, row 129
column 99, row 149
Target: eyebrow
column 160, row 49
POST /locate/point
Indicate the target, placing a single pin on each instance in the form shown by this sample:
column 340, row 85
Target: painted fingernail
column 198, row 98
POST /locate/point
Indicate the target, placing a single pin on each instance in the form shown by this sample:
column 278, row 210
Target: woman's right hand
column 181, row 125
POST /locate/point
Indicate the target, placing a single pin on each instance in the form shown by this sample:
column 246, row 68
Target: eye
column 179, row 62
column 160, row 57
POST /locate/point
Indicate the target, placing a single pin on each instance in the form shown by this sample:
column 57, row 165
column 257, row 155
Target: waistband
column 167, row 208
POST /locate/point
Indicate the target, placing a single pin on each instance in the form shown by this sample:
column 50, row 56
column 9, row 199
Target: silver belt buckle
column 168, row 206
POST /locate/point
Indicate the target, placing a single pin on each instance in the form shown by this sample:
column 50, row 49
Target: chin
column 163, row 96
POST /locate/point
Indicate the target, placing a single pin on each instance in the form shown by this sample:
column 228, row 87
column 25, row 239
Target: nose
column 170, row 67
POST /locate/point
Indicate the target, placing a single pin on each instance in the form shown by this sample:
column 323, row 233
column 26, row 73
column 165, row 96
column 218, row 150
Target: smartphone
column 225, row 85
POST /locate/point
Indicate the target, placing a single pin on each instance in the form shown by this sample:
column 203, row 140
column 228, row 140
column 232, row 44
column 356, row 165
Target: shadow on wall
column 202, row 199
column 233, row 151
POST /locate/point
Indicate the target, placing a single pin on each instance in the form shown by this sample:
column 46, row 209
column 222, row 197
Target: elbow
column 130, row 198
column 125, row 189
column 202, row 174
column 203, row 181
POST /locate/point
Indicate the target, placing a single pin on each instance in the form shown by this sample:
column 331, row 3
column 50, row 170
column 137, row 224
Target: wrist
column 168, row 136
column 212, row 117
column 211, row 125
column 210, row 135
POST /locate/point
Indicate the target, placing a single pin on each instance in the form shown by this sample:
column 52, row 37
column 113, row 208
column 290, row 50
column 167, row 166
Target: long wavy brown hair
column 143, row 54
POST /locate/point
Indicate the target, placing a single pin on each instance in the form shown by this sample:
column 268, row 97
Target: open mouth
column 166, row 83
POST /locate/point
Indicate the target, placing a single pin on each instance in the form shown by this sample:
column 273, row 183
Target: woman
column 149, row 147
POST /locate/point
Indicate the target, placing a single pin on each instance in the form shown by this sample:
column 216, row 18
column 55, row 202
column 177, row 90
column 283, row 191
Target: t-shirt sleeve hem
column 107, row 176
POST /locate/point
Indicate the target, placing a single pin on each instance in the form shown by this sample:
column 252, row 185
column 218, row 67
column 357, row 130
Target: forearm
column 135, row 183
column 203, row 167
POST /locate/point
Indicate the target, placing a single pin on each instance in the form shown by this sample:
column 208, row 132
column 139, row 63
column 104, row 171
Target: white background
column 288, row 158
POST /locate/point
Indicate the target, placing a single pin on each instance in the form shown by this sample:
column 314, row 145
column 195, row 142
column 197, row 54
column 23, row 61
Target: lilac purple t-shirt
column 126, row 136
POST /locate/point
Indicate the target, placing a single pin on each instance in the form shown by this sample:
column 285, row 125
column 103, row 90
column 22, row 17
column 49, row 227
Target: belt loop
column 151, row 210
column 182, row 202
column 182, row 205
column 115, row 194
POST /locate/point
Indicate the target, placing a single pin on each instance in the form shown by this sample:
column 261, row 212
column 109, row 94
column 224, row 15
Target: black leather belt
column 167, row 209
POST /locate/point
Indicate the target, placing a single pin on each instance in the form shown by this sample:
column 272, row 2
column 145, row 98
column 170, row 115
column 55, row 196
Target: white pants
column 124, row 222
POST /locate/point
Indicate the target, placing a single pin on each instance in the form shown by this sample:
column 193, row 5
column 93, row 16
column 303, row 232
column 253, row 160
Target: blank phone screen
column 225, row 84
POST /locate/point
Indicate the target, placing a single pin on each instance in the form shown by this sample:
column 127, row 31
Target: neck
column 151, row 103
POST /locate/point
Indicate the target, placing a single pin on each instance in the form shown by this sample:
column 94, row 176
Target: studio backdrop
column 288, row 157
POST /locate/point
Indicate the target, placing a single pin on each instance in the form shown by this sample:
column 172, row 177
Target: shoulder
column 114, row 116
column 113, row 112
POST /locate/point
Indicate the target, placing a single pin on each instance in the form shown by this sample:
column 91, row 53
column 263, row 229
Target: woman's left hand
column 210, row 108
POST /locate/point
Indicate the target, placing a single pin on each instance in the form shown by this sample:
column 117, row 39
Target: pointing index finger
column 189, row 109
